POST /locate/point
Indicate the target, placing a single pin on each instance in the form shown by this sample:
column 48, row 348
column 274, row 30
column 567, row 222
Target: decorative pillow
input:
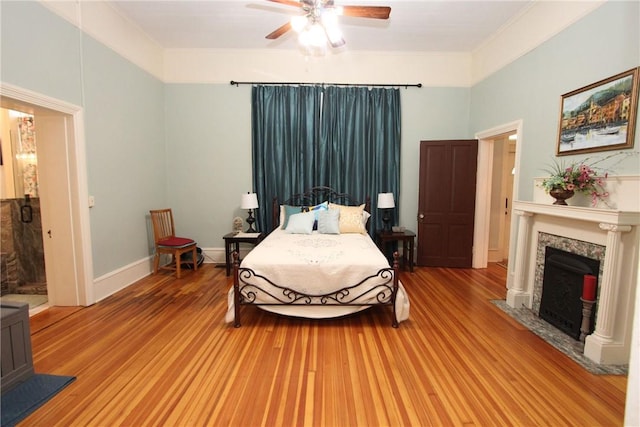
column 351, row 218
column 329, row 221
column 365, row 217
column 317, row 208
column 285, row 212
column 324, row 206
column 301, row 223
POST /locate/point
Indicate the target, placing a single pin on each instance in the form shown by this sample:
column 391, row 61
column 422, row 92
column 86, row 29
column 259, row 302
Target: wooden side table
column 232, row 242
column 407, row 238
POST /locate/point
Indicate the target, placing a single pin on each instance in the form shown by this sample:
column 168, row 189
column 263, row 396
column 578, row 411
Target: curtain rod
column 405, row 85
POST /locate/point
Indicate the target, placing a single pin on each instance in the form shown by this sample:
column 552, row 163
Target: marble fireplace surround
column 577, row 247
column 617, row 231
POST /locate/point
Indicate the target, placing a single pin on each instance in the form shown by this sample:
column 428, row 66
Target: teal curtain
column 285, row 134
column 361, row 131
column 347, row 138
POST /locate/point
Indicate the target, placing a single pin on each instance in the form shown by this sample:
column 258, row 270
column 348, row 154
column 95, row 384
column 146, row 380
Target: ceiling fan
column 318, row 23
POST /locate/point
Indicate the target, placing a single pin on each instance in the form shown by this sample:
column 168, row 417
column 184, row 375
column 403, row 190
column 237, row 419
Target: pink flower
column 570, row 187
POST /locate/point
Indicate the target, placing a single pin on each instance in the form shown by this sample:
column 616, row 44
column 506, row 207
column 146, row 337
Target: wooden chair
column 166, row 242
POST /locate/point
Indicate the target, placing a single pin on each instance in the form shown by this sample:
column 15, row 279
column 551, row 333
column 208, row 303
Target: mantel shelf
column 608, row 216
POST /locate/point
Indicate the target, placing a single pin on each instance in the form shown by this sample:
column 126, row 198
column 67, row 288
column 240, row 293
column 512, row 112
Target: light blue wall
column 39, row 51
column 124, row 123
column 208, row 157
column 126, row 158
column 604, row 43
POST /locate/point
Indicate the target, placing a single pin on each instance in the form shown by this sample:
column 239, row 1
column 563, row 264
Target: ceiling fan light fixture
column 317, row 37
column 318, row 27
column 329, row 18
column 299, row 23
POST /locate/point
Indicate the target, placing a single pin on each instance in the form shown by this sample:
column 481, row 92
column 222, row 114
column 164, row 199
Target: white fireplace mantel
column 608, row 216
column 614, row 229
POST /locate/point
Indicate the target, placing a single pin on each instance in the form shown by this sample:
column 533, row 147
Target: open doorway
column 23, row 274
column 504, row 155
column 490, row 196
column 62, row 190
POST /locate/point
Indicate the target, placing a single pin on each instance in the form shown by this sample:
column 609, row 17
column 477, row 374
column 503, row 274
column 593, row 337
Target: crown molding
column 541, row 21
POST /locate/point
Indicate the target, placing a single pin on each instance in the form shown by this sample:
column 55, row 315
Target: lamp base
column 250, row 221
column 386, row 220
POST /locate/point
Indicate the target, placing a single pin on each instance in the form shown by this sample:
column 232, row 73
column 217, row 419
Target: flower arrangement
column 584, row 176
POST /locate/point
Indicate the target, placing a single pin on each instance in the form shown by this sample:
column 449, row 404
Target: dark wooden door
column 446, row 203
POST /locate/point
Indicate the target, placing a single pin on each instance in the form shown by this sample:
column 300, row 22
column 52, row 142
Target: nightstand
column 407, row 238
column 232, row 243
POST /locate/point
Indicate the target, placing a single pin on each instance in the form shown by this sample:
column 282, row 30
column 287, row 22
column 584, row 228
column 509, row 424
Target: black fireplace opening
column 562, row 282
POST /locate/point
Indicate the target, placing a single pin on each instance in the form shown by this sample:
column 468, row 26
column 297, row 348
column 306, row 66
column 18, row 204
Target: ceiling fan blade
column 375, row 12
column 288, row 2
column 279, row 31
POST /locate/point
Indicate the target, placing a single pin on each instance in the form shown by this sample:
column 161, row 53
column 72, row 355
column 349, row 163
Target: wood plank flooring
column 159, row 353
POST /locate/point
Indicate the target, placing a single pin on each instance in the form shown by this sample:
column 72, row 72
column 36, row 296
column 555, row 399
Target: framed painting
column 599, row 117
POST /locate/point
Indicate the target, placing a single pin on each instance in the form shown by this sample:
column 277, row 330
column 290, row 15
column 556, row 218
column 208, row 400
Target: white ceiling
column 414, row 25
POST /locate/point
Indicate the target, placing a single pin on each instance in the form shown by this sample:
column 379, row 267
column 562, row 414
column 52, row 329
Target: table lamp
column 250, row 202
column 386, row 203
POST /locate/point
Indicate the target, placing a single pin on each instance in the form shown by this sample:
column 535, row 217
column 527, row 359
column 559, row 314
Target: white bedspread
column 317, row 264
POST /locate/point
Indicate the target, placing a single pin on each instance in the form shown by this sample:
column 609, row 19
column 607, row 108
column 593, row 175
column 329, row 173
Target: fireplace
column 563, row 277
column 610, row 236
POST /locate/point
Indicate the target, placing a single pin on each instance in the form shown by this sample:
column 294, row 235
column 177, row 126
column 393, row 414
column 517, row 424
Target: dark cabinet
column 16, row 357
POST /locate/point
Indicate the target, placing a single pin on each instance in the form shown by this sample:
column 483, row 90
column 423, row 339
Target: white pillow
column 365, row 217
column 301, row 223
column 329, row 221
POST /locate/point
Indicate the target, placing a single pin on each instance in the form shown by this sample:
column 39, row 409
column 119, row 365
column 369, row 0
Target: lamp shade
column 385, row 201
column 249, row 201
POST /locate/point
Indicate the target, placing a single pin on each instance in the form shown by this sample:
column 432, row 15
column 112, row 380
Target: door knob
column 49, row 233
column 421, row 216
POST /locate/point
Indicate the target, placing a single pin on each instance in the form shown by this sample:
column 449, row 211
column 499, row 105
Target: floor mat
column 26, row 397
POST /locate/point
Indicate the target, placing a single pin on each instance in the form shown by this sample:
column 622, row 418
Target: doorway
column 501, row 198
column 62, row 191
column 23, row 277
column 486, row 148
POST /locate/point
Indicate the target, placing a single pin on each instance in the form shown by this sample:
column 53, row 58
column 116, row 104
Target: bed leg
column 236, row 289
column 396, row 275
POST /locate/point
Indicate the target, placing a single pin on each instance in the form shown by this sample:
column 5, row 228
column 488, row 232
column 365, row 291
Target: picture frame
column 600, row 116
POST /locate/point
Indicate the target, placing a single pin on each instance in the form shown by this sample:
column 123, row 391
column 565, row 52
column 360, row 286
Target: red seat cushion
column 176, row 241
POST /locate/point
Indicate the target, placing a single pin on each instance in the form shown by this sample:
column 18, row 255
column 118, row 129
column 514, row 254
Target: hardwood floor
column 159, row 353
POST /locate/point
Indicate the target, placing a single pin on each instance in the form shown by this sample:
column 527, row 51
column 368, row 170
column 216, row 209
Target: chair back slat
column 163, row 227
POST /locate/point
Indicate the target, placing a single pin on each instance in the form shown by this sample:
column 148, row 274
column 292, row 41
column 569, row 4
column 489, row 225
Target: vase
column 561, row 195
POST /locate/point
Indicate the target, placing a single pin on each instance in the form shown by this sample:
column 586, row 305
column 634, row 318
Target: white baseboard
column 494, row 255
column 119, row 279
column 116, row 280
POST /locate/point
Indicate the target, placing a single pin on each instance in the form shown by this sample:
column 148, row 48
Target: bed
column 325, row 270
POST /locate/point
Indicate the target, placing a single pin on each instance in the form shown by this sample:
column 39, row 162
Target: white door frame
column 78, row 189
column 483, row 192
